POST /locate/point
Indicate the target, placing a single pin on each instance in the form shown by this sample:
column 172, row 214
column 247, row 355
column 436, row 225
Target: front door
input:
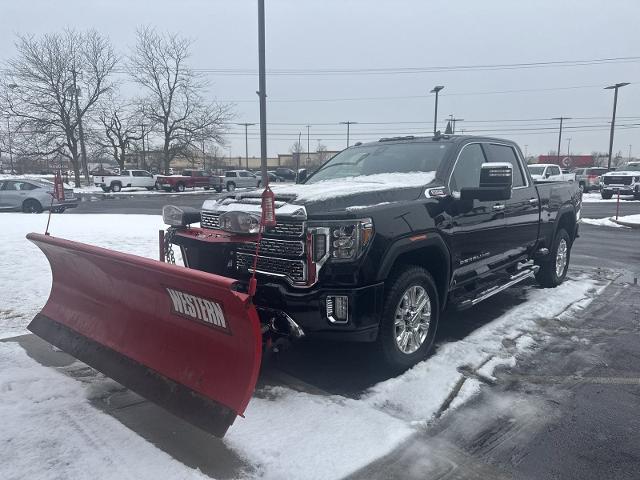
column 475, row 230
column 522, row 209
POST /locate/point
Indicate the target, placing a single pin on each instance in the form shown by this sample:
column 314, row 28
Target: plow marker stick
column 181, row 338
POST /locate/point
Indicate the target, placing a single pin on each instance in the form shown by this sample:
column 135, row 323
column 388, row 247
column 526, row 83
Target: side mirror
column 547, row 175
column 302, row 175
column 496, row 180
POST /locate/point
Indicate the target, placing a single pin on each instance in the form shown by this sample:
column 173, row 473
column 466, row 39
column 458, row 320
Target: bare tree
column 175, row 103
column 53, row 83
column 121, row 128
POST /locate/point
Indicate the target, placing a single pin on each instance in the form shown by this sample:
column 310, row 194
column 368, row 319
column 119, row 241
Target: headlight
column 179, row 216
column 240, row 222
column 348, row 239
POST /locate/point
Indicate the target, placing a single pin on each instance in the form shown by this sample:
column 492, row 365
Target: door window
column 554, row 170
column 230, row 174
column 244, row 174
column 466, row 172
column 505, row 153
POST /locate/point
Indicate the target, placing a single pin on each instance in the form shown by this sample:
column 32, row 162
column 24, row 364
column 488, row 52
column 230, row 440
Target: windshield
column 381, row 159
column 536, row 170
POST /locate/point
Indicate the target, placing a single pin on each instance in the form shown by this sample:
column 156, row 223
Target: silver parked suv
column 240, row 179
column 589, row 178
column 32, row 196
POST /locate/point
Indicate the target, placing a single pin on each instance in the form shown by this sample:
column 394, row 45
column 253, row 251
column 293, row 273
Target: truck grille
column 271, row 246
column 282, row 249
column 293, row 269
column 617, row 180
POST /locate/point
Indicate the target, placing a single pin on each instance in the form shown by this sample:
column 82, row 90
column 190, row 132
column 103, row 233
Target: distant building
column 568, row 161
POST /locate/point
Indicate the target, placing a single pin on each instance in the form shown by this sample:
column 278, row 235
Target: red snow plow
column 182, row 338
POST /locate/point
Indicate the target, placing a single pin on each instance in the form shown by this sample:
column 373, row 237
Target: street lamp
column 246, row 142
column 613, row 118
column 560, row 133
column 435, row 90
column 348, row 124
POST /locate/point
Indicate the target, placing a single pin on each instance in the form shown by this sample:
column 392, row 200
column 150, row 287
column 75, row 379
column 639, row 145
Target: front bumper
column 621, row 189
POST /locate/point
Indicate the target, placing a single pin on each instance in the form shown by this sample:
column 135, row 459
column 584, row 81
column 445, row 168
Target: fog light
column 338, row 308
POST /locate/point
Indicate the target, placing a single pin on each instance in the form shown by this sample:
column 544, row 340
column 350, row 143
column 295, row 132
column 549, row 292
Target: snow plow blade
column 181, row 338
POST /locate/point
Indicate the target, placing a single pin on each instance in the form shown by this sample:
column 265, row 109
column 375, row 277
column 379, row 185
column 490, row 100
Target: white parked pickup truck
column 126, row 179
column 541, row 172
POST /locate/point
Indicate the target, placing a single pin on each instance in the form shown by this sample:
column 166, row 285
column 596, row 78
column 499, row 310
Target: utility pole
column 308, row 129
column 568, row 147
column 613, row 117
column 453, row 121
column 83, row 149
column 560, row 133
column 526, row 152
column 629, row 152
column 246, row 142
column 10, row 146
column 348, row 124
column 436, row 90
column 262, row 94
column 299, row 147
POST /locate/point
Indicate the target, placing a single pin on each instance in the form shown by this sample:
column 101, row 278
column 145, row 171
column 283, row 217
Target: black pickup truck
column 385, row 235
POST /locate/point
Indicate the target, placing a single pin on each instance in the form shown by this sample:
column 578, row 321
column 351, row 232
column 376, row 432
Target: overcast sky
column 315, row 36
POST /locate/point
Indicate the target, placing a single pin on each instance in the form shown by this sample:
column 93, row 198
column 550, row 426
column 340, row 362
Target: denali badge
column 197, row 308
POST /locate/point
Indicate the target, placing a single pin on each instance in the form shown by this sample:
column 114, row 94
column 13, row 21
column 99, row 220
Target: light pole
column 348, row 124
column 262, row 94
column 453, row 121
column 560, row 133
column 568, row 147
column 308, row 129
column 246, row 142
column 613, row 117
column 436, row 90
column 629, row 152
column 526, row 151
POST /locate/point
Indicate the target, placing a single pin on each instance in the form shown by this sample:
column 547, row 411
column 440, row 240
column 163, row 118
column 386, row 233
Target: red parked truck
column 189, row 179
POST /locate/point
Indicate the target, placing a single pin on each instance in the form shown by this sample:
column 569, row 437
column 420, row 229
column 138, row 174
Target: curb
column 625, row 224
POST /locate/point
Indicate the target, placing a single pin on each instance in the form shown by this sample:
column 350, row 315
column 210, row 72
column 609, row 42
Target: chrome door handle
column 533, row 201
column 498, row 207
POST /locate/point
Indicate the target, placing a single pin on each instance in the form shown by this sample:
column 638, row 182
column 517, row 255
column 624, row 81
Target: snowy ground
column 595, row 197
column 608, row 222
column 50, row 430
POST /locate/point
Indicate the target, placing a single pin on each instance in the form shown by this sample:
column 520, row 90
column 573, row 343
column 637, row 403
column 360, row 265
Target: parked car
column 189, row 179
column 623, row 182
column 240, row 179
column 286, row 173
column 549, row 172
column 589, row 178
column 126, row 179
column 33, row 196
column 273, row 177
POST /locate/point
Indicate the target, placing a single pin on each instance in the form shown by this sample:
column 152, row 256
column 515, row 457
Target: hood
column 623, row 173
column 343, row 194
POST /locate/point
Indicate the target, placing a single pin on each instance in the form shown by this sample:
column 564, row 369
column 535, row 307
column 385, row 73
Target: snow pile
column 609, row 221
column 26, row 279
column 49, row 430
column 343, row 187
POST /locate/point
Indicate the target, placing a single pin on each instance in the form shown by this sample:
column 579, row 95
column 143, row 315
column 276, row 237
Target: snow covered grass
column 138, row 191
column 608, row 221
column 50, row 430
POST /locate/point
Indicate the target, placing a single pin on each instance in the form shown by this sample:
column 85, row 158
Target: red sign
column 567, row 161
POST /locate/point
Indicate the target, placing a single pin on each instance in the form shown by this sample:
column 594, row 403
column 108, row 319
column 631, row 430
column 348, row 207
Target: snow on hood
column 343, row 187
column 623, row 173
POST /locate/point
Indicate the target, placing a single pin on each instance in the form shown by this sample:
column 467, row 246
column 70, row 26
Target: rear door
column 475, row 230
column 522, row 209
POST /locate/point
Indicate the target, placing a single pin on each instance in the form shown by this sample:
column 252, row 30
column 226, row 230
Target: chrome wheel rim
column 412, row 319
column 231, row 187
column 561, row 257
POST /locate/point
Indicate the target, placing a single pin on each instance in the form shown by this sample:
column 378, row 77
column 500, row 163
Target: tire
column 31, row 206
column 390, row 335
column 231, row 187
column 180, row 187
column 552, row 273
column 116, row 187
column 606, row 195
column 158, row 186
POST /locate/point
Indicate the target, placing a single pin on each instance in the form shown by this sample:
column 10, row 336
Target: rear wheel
column 180, row 187
column 606, row 195
column 553, row 270
column 231, row 187
column 116, row 187
column 409, row 318
column 31, row 206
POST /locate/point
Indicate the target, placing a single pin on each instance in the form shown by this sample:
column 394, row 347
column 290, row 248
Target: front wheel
column 116, row 187
column 553, row 270
column 31, row 206
column 409, row 318
column 231, row 187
